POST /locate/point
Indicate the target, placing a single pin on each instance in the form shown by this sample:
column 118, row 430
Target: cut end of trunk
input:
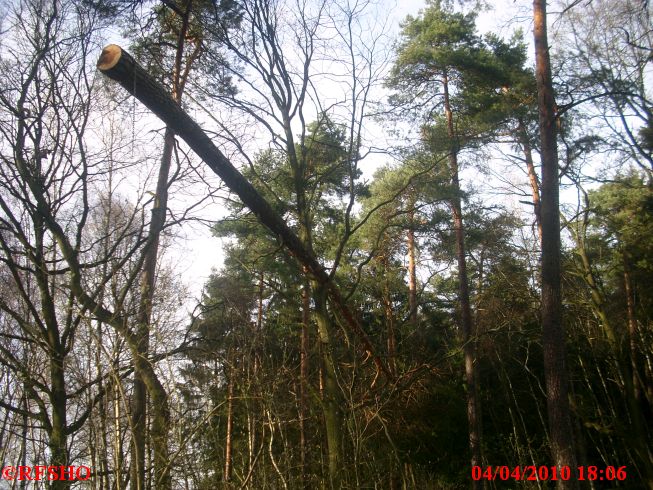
column 109, row 57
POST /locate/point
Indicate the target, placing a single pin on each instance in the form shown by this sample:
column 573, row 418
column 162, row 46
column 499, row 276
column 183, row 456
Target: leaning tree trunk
column 120, row 66
column 553, row 333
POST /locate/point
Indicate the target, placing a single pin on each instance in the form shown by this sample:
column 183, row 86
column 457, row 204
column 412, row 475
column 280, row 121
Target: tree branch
column 119, row 65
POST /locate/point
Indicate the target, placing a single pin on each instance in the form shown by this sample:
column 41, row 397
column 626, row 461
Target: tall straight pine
column 553, row 334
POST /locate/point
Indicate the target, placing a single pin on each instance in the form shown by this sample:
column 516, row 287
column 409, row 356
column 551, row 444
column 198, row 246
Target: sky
column 197, row 253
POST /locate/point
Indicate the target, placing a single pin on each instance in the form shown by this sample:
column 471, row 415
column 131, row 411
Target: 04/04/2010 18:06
column 544, row 473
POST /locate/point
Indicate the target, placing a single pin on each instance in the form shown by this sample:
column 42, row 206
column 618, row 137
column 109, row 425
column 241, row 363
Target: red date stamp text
column 548, row 473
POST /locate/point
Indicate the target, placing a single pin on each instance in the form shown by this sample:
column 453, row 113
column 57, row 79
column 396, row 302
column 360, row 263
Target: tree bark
column 58, row 435
column 229, row 431
column 139, row 397
column 139, row 401
column 532, row 176
column 23, row 442
column 389, row 317
column 332, row 400
column 466, row 320
column 303, row 377
column 632, row 329
column 57, row 427
column 412, row 272
column 553, row 334
column 632, row 381
column 119, row 484
column 118, row 65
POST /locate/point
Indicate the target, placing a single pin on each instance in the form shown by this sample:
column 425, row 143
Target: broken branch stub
column 119, row 65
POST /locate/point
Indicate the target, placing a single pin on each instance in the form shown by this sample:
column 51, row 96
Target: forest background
column 456, row 274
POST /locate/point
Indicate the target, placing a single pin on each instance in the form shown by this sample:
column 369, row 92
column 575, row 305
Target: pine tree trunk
column 467, row 324
column 389, row 319
column 640, row 434
column 553, row 334
column 632, row 330
column 229, row 431
column 412, row 272
column 532, row 176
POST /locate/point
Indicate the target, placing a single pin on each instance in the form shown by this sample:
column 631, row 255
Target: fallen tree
column 120, row 66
